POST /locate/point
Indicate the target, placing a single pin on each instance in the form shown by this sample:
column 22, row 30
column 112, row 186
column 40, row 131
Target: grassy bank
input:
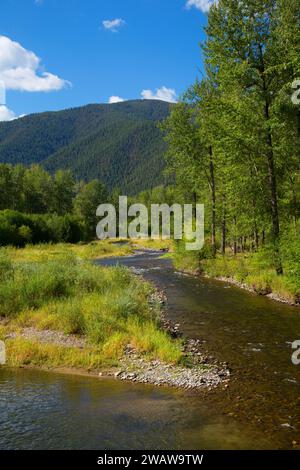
column 152, row 244
column 252, row 270
column 55, row 288
column 85, row 251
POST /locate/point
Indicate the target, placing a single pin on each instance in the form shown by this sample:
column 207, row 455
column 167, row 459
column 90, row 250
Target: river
column 259, row 410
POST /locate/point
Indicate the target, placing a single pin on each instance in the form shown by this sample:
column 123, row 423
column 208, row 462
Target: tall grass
column 252, row 269
column 108, row 305
column 88, row 251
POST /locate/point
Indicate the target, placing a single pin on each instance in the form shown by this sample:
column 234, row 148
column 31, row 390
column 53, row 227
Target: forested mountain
column 118, row 143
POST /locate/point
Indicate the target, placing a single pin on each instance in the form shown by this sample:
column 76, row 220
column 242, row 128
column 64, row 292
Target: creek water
column 259, row 410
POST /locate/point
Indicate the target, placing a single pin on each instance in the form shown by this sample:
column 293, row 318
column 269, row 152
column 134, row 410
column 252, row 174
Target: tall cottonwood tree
column 240, row 122
column 191, row 154
column 243, row 47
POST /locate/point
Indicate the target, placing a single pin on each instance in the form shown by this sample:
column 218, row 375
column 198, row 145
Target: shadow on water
column 260, row 409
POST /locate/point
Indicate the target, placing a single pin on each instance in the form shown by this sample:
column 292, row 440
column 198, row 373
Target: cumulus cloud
column 163, row 94
column 20, row 69
column 113, row 25
column 115, row 99
column 6, row 114
column 202, row 5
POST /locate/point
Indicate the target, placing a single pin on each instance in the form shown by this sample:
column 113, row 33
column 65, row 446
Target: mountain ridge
column 118, row 143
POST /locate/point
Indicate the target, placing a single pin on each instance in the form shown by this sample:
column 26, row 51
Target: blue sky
column 56, row 54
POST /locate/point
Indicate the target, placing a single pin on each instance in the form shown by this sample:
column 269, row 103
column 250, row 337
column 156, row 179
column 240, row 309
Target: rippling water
column 260, row 409
column 41, row 410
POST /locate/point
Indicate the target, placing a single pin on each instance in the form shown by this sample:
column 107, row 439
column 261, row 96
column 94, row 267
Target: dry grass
column 46, row 252
column 52, row 287
column 154, row 244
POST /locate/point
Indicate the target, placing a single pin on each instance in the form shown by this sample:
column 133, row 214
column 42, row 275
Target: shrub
column 18, row 229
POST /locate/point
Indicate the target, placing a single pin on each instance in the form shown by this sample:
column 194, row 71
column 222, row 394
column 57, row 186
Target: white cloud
column 115, row 99
column 6, row 114
column 202, row 5
column 20, row 69
column 163, row 94
column 113, row 25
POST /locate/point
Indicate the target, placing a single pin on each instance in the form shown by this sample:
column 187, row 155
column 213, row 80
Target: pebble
column 202, row 374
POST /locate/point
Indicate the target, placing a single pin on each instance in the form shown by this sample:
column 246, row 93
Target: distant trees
column 89, row 197
column 38, row 191
column 38, row 207
column 18, row 229
column 63, row 192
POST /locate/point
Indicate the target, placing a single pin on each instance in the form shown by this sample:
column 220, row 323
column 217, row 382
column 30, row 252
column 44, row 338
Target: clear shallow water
column 260, row 409
column 40, row 410
column 252, row 333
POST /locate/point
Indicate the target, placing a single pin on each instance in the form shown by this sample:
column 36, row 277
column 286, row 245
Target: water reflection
column 44, row 410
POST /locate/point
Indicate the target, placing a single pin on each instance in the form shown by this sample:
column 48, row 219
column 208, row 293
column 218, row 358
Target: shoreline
column 196, row 372
column 272, row 296
column 241, row 285
column 229, row 280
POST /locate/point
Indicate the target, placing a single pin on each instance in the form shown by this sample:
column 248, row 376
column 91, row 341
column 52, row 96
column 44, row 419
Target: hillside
column 118, row 143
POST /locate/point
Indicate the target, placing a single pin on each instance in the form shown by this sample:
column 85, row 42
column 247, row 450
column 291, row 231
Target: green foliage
column 20, row 229
column 234, row 137
column 86, row 202
column 290, row 247
column 108, row 305
column 6, row 267
column 45, row 208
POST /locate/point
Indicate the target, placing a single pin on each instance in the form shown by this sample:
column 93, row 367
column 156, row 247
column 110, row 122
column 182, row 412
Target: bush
column 18, row 229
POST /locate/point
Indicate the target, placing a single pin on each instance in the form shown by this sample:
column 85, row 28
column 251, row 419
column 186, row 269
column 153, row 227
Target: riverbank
column 33, row 349
column 59, row 311
column 246, row 271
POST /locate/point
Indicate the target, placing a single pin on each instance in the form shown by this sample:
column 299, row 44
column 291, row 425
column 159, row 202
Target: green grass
column 157, row 244
column 109, row 306
column 252, row 269
column 22, row 352
column 88, row 251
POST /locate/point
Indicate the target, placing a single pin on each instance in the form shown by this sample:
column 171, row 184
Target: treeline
column 38, row 207
column 234, row 137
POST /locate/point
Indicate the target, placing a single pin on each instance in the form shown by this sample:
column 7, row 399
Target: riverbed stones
column 200, row 374
column 203, row 371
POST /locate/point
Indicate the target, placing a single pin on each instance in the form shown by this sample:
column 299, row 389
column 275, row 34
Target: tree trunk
column 274, row 201
column 194, row 204
column 213, row 201
column 224, row 228
column 271, row 175
column 235, row 238
column 256, row 238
